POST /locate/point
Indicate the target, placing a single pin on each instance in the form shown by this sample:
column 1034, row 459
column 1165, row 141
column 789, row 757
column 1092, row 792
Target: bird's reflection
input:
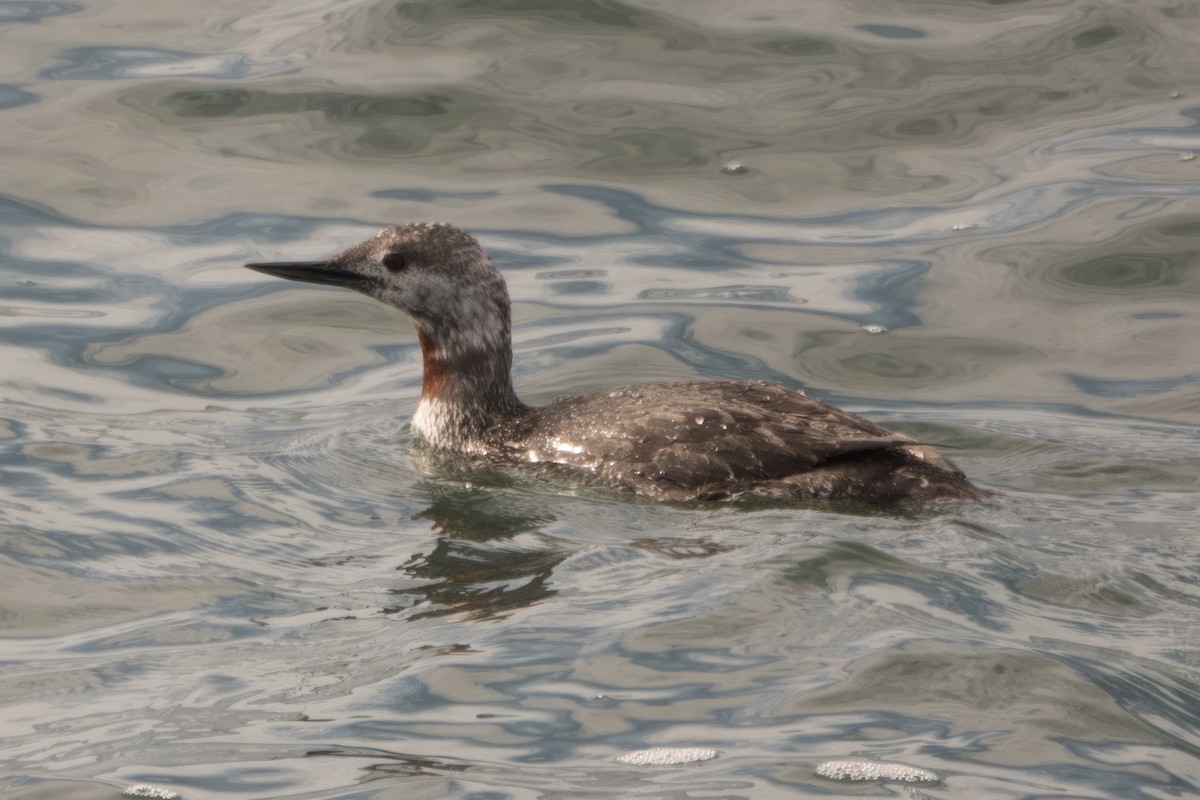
column 475, row 567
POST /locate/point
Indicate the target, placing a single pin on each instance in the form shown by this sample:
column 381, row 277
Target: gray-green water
column 222, row 574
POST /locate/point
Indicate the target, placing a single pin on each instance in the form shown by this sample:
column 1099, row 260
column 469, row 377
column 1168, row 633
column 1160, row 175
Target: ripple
column 13, row 96
column 912, row 363
column 1112, row 596
column 35, row 11
column 1120, row 272
column 122, row 63
column 347, row 107
column 288, row 327
column 753, row 294
column 892, row 31
column 1124, row 274
column 799, row 47
column 1129, row 387
column 996, row 686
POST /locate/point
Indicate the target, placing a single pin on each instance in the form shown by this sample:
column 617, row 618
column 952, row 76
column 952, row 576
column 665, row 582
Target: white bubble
column 667, row 756
column 146, row 790
column 867, row 770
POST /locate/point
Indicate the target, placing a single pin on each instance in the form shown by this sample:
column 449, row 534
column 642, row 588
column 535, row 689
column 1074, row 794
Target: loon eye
column 394, row 262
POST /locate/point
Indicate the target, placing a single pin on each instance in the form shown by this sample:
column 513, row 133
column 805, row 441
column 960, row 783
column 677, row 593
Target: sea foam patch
column 146, row 790
column 862, row 769
column 667, row 756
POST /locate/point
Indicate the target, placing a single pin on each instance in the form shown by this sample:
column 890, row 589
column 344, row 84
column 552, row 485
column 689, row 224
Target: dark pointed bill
column 311, row 272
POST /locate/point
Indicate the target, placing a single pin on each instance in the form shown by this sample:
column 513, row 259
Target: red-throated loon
column 699, row 440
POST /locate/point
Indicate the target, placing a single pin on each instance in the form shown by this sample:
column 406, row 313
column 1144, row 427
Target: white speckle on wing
column 862, row 769
column 667, row 756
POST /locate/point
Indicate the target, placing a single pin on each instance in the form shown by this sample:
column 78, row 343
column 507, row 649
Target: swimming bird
column 676, row 442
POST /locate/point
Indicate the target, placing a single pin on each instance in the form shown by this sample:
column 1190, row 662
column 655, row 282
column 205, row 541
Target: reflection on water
column 225, row 572
column 473, row 566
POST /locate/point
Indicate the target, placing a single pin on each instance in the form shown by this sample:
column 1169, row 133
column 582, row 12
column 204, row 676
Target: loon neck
column 467, row 389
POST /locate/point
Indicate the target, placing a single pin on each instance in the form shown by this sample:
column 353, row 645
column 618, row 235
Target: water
column 223, row 575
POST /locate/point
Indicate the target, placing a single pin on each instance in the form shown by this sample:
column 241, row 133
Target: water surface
column 223, row 574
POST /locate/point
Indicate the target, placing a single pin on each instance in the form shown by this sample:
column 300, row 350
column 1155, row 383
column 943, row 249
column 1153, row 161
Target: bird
column 678, row 442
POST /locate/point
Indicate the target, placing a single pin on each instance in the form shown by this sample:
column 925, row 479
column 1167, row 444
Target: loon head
column 443, row 279
column 434, row 272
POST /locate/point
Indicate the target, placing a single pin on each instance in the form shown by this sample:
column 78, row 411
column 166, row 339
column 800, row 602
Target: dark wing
column 685, row 439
